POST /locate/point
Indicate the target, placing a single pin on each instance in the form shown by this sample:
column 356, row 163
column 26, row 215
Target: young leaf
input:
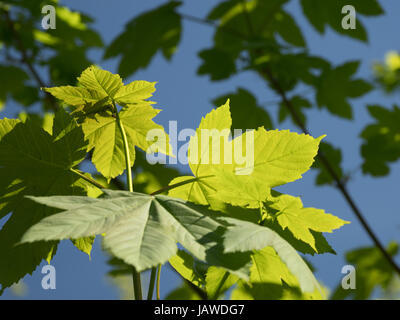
column 101, row 81
column 134, row 92
column 99, row 88
column 84, row 244
column 99, row 91
column 76, row 96
column 275, row 158
column 321, row 244
column 104, row 136
column 300, row 221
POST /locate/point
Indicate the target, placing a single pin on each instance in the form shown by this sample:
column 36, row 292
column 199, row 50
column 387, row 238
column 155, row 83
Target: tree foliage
column 239, row 234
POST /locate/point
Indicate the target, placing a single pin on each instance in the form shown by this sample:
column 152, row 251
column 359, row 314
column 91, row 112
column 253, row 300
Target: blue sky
column 186, row 97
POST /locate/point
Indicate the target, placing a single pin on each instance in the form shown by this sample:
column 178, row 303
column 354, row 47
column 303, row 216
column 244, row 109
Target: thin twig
column 158, row 281
column 153, row 276
column 86, row 178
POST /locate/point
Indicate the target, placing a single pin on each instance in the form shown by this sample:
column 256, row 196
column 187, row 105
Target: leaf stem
column 126, row 150
column 260, row 207
column 152, row 283
column 86, row 178
column 158, row 281
column 135, row 275
column 137, row 284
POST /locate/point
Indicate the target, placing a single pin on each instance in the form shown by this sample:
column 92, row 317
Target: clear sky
column 186, row 97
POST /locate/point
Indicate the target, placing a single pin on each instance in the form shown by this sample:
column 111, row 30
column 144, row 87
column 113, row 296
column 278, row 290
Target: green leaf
column 336, row 86
column 104, row 136
column 289, row 30
column 321, row 244
column 217, row 63
column 101, row 81
column 184, row 264
column 45, row 121
column 246, row 236
column 381, row 140
column 275, row 158
column 140, row 229
column 289, row 69
column 300, row 221
column 50, row 157
column 76, row 96
column 162, row 28
column 271, row 279
column 329, row 13
column 279, row 157
column 101, row 89
column 13, row 83
column 218, row 281
column 134, row 92
column 201, row 190
column 84, row 244
column 32, row 162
